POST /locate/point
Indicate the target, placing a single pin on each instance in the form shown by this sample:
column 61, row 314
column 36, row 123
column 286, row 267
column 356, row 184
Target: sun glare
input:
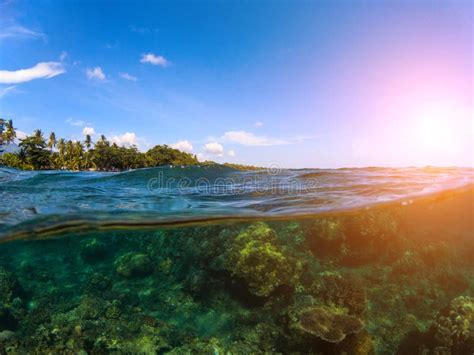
column 434, row 130
column 435, row 125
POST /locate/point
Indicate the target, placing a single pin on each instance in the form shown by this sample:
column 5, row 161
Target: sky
column 271, row 83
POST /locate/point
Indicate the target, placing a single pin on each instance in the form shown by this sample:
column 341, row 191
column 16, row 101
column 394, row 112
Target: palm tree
column 37, row 133
column 78, row 152
column 52, row 141
column 10, row 132
column 88, row 141
column 2, row 127
column 69, row 154
column 61, row 146
column 62, row 149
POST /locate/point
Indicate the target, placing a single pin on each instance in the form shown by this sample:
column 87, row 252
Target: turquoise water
column 213, row 260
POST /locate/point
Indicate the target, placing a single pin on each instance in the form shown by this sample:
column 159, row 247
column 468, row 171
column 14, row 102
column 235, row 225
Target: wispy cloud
column 144, row 30
column 62, row 56
column 154, row 59
column 258, row 124
column 184, row 146
column 95, row 74
column 77, row 123
column 44, row 70
column 250, row 139
column 129, row 77
column 5, row 91
column 113, row 45
column 20, row 32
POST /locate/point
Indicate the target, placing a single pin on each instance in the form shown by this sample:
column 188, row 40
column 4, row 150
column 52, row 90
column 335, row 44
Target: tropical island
column 38, row 153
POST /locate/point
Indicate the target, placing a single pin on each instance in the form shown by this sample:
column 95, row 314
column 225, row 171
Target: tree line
column 37, row 153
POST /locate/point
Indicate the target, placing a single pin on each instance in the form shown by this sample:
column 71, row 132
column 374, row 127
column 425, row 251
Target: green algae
column 371, row 282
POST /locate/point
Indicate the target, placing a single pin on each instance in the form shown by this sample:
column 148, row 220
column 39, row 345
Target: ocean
column 211, row 260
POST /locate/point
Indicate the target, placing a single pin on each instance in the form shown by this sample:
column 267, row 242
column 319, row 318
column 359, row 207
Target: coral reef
column 133, row 264
column 360, row 283
column 455, row 325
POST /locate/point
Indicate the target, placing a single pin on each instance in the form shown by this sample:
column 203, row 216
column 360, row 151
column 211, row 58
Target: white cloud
column 88, row 131
column 44, row 70
column 21, row 134
column 214, row 148
column 95, row 73
column 5, row 91
column 127, row 139
column 250, row 139
column 258, row 124
column 184, row 146
column 77, row 123
column 127, row 76
column 17, row 31
column 231, row 153
column 201, row 157
column 154, row 59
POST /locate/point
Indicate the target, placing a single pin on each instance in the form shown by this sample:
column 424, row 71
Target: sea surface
column 212, row 260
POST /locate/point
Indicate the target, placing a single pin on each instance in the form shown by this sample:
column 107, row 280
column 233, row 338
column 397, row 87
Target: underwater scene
column 210, row 260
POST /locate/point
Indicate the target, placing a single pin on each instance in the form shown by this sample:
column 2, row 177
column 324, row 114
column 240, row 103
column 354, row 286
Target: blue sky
column 294, row 83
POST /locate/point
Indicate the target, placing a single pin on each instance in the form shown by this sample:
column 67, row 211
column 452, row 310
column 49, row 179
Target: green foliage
column 241, row 167
column 165, row 155
column 35, row 153
column 2, row 128
column 11, row 160
column 10, row 133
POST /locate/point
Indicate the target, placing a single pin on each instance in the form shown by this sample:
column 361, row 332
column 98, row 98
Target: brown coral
column 328, row 323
